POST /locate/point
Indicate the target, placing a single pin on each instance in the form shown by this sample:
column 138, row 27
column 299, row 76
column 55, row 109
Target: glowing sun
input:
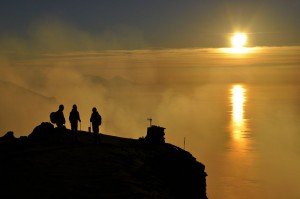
column 239, row 40
column 239, row 44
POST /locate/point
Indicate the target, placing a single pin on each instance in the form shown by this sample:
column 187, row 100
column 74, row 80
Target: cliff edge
column 55, row 163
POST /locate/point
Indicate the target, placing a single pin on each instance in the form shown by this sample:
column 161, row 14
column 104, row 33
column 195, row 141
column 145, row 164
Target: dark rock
column 44, row 132
column 23, row 138
column 9, row 136
column 114, row 168
column 181, row 172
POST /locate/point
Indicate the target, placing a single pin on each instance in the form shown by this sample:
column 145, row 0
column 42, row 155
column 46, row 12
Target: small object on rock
column 155, row 135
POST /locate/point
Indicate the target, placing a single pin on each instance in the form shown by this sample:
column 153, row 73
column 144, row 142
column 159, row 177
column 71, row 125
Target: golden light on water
column 238, row 99
column 240, row 155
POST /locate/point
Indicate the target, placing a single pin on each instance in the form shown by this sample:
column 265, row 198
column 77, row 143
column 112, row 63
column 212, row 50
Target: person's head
column 94, row 109
column 75, row 106
column 61, row 107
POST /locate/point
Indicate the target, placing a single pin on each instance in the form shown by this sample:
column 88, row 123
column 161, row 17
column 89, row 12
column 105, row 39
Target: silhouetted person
column 96, row 120
column 74, row 117
column 58, row 117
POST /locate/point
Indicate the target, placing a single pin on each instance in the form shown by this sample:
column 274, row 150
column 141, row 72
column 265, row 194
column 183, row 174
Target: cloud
column 50, row 35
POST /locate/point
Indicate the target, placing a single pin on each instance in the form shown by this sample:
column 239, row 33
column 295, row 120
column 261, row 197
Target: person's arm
column 64, row 120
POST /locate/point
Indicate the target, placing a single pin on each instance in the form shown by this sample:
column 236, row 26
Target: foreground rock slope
column 53, row 163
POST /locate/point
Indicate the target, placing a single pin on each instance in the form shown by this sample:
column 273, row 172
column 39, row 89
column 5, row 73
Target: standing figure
column 74, row 117
column 58, row 117
column 96, row 120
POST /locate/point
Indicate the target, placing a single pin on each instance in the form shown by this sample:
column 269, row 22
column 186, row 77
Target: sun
column 239, row 45
column 239, row 40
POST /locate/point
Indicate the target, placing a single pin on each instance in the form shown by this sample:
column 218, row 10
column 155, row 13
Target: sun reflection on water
column 241, row 154
column 238, row 99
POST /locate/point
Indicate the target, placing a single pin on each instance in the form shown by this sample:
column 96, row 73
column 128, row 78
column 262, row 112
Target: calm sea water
column 252, row 149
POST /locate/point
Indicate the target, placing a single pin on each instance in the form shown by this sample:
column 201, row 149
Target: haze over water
column 238, row 112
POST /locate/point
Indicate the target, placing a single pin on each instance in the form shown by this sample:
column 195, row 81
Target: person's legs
column 74, row 126
column 95, row 128
column 96, row 134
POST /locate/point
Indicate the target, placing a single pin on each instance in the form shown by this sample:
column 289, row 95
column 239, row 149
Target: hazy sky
column 157, row 23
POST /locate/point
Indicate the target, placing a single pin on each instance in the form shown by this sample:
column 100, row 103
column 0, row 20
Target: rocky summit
column 56, row 163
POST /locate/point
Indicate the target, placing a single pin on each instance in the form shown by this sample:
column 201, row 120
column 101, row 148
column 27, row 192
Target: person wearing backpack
column 96, row 120
column 74, row 117
column 58, row 117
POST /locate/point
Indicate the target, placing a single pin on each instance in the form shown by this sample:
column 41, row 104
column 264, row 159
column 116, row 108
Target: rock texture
column 54, row 163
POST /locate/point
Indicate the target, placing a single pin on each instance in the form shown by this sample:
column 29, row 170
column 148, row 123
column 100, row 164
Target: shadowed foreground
column 52, row 163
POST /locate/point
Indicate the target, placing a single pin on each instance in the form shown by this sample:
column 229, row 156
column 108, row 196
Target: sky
column 156, row 23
